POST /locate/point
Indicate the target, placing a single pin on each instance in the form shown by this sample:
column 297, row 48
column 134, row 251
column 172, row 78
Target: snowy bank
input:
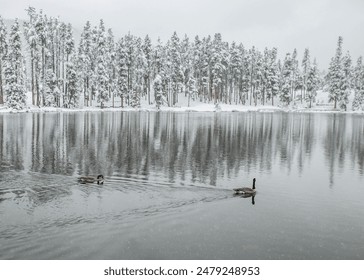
column 202, row 107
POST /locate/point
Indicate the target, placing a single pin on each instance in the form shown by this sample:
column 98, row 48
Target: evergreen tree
column 272, row 86
column 3, row 52
column 84, row 62
column 346, row 83
column 176, row 69
column 235, row 60
column 69, row 78
column 336, row 75
column 358, row 102
column 158, row 91
column 286, row 80
column 147, row 51
column 294, row 75
column 102, row 79
column 32, row 38
column 14, row 71
column 312, row 83
column 72, row 83
column 122, row 71
column 111, row 62
column 305, row 70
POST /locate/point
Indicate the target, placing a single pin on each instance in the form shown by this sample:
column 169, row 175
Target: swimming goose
column 246, row 190
column 90, row 179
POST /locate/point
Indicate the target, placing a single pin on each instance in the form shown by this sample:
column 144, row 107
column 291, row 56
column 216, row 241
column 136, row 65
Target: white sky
column 285, row 24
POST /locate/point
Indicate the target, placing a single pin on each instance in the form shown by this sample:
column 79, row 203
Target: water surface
column 169, row 180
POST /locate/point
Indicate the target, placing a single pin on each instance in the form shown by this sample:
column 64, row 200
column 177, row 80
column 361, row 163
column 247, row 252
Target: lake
column 168, row 185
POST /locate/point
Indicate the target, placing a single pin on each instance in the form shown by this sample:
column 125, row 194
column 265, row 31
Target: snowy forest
column 100, row 70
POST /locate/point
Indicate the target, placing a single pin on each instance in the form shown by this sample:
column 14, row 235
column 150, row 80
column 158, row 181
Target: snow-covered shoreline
column 207, row 108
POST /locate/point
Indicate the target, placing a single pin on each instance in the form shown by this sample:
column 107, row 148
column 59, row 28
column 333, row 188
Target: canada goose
column 89, row 179
column 246, row 190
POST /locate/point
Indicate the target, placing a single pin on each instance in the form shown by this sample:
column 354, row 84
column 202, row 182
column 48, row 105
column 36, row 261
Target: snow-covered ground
column 321, row 105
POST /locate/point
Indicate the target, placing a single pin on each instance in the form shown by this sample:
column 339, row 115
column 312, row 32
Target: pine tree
column 122, row 71
column 158, row 91
column 272, row 75
column 131, row 63
column 305, row 69
column 176, row 69
column 147, row 51
column 33, row 42
column 358, row 102
column 235, row 60
column 312, row 83
column 3, row 52
column 14, row 71
column 286, row 80
column 72, row 83
column 336, row 75
column 84, row 62
column 52, row 90
column 102, row 79
column 346, row 83
column 294, row 75
column 111, row 62
column 218, row 67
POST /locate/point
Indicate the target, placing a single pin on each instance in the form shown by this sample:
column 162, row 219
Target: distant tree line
column 102, row 70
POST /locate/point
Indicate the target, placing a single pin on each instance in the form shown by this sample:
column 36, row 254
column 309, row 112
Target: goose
column 246, row 190
column 89, row 179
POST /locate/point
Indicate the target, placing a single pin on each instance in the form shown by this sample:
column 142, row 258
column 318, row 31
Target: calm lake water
column 169, row 180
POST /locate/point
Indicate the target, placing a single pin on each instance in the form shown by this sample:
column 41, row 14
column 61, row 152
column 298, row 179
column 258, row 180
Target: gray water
column 168, row 188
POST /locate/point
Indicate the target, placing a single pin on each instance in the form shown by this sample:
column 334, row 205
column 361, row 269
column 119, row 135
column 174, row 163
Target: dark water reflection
column 169, row 177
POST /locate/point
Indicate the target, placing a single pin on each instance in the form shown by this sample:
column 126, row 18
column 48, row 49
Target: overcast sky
column 285, row 24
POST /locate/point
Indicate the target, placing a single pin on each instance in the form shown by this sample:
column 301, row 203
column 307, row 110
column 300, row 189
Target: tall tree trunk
column 1, row 84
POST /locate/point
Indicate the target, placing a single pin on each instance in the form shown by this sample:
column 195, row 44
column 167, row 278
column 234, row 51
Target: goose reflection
column 244, row 195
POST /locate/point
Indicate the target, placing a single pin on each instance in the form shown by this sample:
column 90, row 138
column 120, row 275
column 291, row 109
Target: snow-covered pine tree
column 148, row 52
column 72, row 82
column 305, row 69
column 186, row 64
column 176, row 69
column 286, row 80
column 69, row 49
column 93, row 64
column 140, row 67
column 14, row 71
column 272, row 76
column 346, row 84
column 158, row 91
column 218, row 67
column 336, row 75
column 3, row 52
column 206, row 73
column 102, row 79
column 312, row 83
column 294, row 75
column 84, row 62
column 32, row 39
column 252, row 57
column 258, row 78
column 358, row 83
column 197, row 63
column 122, row 71
column 52, row 92
column 131, row 63
column 244, row 79
column 234, row 72
column 111, row 62
column 162, row 67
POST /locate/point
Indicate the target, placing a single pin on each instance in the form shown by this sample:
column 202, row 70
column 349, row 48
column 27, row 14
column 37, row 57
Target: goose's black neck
column 254, row 184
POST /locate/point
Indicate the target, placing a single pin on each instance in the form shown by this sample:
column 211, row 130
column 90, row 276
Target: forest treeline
column 101, row 70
